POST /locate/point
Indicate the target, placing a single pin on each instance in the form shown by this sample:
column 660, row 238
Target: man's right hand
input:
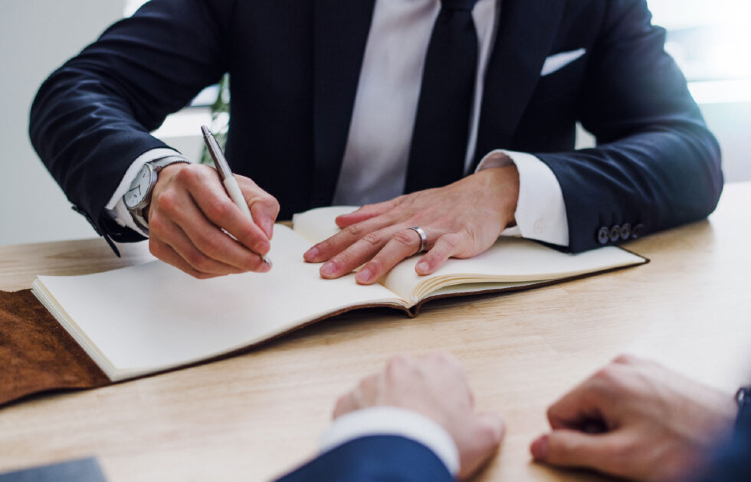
column 189, row 214
column 434, row 386
column 637, row 420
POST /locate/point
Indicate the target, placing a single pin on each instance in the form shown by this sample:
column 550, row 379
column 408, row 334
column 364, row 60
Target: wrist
column 503, row 183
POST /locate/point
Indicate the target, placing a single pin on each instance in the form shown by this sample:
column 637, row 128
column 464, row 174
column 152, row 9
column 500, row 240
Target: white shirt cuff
column 541, row 211
column 115, row 208
column 393, row 421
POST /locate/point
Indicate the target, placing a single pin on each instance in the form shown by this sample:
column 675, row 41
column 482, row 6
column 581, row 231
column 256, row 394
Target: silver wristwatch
column 138, row 197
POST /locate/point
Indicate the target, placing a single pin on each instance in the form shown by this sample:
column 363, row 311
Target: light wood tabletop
column 255, row 416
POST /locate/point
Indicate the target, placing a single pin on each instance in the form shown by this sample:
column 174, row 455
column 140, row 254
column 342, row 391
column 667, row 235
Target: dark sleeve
column 732, row 462
column 656, row 164
column 91, row 118
column 379, row 458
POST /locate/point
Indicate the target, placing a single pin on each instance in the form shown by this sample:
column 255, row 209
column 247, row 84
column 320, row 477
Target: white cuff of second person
column 393, row 421
column 115, row 208
column 541, row 211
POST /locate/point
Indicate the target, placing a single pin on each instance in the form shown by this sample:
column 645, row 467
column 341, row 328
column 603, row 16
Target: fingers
column 169, row 255
column 218, row 208
column 366, row 212
column 263, row 206
column 173, row 246
column 361, row 397
column 444, row 248
column 402, row 245
column 486, row 436
column 570, row 448
column 369, row 231
column 195, row 226
column 205, row 237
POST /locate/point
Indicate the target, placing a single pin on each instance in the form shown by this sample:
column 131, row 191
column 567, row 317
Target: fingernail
column 328, row 269
column 540, row 448
column 423, row 267
column 364, row 276
column 312, row 253
column 268, row 228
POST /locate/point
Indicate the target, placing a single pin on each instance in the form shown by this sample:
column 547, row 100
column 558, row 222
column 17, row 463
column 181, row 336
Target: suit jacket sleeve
column 378, row 458
column 732, row 463
column 91, row 118
column 656, row 163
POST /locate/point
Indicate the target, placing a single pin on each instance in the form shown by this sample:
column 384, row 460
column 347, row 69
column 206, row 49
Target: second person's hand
column 191, row 213
column 652, row 424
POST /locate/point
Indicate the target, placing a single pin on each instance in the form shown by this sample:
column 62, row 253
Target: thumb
column 571, row 448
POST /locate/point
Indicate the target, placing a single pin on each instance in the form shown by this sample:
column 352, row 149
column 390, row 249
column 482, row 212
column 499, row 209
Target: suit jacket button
column 625, row 231
column 638, row 231
column 615, row 233
column 603, row 235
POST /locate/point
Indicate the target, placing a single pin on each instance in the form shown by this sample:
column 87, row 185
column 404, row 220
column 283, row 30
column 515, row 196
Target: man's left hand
column 460, row 220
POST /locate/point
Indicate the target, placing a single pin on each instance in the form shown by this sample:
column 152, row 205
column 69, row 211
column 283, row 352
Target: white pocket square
column 556, row 62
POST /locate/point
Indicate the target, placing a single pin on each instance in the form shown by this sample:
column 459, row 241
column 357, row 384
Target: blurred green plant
column 219, row 118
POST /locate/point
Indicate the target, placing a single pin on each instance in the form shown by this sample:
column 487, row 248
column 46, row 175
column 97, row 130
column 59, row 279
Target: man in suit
column 633, row 419
column 451, row 121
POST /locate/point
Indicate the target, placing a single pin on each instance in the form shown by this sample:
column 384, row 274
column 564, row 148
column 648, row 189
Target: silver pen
column 228, row 179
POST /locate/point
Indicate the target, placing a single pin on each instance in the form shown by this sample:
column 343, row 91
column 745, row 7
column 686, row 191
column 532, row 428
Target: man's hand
column 190, row 209
column 460, row 220
column 436, row 387
column 636, row 419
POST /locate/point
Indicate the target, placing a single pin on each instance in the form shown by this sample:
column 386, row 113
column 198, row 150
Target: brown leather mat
column 36, row 354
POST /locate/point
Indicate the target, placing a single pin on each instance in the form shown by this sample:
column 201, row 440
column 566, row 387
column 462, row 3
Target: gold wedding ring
column 423, row 239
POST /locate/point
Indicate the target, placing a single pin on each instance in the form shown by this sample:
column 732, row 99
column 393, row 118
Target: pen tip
column 205, row 130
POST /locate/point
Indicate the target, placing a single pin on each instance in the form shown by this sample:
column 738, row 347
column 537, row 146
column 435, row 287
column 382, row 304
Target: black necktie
column 441, row 133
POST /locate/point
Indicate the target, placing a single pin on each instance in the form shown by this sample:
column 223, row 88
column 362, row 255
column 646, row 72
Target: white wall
column 36, row 36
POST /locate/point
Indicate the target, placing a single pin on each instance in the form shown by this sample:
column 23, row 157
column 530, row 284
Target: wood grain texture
column 258, row 415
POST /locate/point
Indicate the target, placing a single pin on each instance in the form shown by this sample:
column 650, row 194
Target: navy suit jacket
column 378, row 458
column 396, row 459
column 294, row 68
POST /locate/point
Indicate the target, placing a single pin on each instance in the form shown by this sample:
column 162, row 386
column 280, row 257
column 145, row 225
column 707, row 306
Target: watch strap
column 157, row 165
column 160, row 164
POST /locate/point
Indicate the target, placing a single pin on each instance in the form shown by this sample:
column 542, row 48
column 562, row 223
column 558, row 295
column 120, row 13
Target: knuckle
column 168, row 201
column 219, row 209
column 354, row 230
column 156, row 248
column 490, row 433
column 397, row 362
column 626, row 359
column 195, row 259
column 202, row 263
column 157, row 227
column 212, row 244
column 405, row 237
column 374, row 239
column 186, row 175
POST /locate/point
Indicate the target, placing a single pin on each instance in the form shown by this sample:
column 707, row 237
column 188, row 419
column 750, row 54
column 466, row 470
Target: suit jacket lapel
column 341, row 30
column 524, row 39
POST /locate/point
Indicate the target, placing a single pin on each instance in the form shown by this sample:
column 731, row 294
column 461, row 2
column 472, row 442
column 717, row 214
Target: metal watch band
column 158, row 165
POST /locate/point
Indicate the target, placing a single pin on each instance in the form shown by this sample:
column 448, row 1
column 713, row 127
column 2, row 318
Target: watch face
column 139, row 188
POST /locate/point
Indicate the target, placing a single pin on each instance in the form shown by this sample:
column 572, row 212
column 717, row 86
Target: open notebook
column 152, row 317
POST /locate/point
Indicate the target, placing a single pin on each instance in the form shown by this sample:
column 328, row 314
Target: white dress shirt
column 375, row 160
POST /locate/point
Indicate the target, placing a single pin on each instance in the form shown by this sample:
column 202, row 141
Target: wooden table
column 255, row 416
